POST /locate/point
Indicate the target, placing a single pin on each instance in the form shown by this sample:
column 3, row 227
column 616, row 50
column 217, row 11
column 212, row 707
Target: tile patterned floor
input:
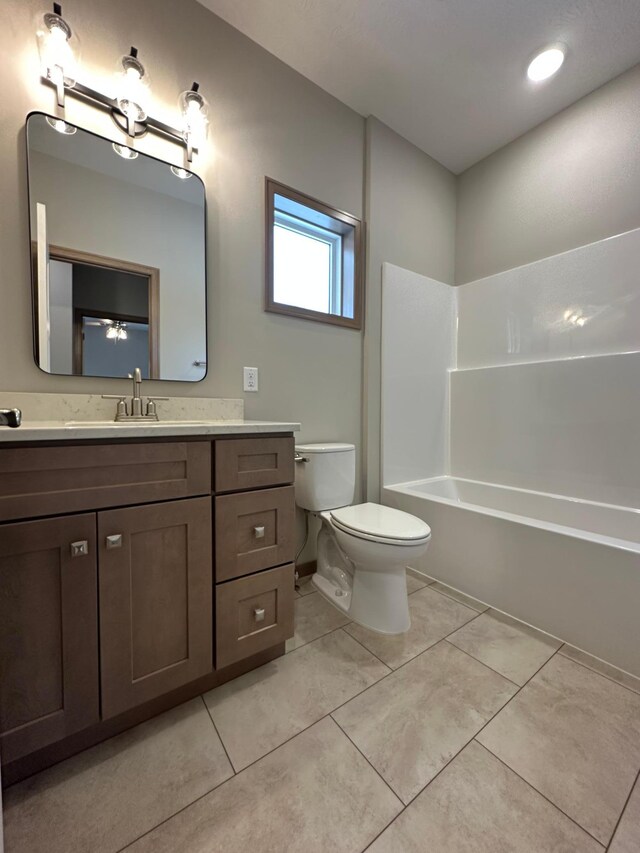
column 471, row 734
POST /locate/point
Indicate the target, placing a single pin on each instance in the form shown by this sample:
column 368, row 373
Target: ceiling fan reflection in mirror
column 116, row 330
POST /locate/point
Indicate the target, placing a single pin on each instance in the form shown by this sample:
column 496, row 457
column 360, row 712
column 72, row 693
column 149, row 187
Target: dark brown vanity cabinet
column 139, row 587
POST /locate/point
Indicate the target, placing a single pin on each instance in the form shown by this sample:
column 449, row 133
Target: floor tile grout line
column 636, row 781
column 417, row 655
column 544, row 796
column 175, row 814
column 601, row 674
column 319, row 637
column 477, row 660
column 215, row 728
column 372, row 766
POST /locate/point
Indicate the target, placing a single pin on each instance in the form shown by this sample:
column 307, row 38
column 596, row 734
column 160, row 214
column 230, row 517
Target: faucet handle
column 121, row 409
column 151, row 406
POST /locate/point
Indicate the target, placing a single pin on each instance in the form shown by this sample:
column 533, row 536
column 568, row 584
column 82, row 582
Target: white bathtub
column 568, row 566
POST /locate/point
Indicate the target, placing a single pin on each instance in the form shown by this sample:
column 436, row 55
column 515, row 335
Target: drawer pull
column 80, row 549
column 258, row 614
column 114, row 541
column 259, row 532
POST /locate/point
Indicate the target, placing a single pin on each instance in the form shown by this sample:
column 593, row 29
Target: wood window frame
column 273, row 188
column 152, row 274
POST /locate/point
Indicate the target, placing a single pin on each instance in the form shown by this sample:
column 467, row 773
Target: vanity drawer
column 254, row 531
column 253, row 613
column 54, row 480
column 252, row 463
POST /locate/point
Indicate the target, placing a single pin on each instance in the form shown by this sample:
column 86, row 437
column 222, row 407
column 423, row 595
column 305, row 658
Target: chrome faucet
column 10, row 417
column 138, row 411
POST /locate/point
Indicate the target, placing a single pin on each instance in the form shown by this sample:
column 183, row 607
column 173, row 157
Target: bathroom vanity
column 136, row 571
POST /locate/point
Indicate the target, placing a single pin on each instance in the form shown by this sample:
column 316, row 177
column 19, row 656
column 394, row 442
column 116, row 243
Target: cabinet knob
column 114, row 541
column 258, row 614
column 258, row 532
column 79, row 549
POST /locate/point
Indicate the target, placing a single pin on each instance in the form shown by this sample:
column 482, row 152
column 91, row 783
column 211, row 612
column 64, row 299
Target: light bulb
column 546, row 63
column 61, row 126
column 133, row 91
column 124, row 152
column 181, row 173
column 195, row 116
column 59, row 50
column 112, row 332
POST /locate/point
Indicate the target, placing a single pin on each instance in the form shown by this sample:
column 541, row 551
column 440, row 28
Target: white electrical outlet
column 250, row 378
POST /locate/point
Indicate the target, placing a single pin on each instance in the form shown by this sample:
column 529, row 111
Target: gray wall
column 410, row 213
column 265, row 120
column 572, row 180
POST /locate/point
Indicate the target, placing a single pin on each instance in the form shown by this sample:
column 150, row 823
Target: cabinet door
column 155, row 584
column 48, row 632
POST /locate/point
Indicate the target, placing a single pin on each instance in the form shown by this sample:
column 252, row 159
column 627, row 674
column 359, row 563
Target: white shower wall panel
column 567, row 427
column 418, row 349
column 582, row 302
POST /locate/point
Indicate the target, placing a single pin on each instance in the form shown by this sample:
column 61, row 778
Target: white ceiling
column 449, row 75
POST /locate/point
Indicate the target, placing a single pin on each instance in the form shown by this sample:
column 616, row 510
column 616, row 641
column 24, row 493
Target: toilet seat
column 377, row 523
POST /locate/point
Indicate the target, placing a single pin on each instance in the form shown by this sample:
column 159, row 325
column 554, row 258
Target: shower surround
column 510, row 423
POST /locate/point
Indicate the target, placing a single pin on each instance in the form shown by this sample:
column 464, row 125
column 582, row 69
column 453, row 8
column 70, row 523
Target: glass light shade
column 59, row 49
column 195, row 117
column 181, row 173
column 61, row 126
column 133, row 90
column 124, row 152
column 117, row 332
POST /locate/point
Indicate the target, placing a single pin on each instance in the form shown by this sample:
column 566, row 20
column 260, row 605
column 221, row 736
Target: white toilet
column 363, row 550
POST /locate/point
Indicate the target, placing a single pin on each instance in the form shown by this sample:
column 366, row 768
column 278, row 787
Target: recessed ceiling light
column 546, row 63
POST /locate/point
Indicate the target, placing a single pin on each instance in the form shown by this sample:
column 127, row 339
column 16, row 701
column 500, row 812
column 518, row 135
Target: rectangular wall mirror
column 118, row 258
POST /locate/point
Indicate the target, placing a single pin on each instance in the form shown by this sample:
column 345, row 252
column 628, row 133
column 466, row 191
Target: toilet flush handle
column 299, row 458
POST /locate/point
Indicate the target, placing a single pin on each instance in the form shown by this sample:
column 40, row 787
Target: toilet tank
column 326, row 478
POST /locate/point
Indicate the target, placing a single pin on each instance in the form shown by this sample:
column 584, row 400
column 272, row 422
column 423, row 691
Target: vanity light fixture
column 132, row 91
column 195, row 118
column 58, row 46
column 59, row 49
column 546, row 63
column 61, row 126
column 124, row 152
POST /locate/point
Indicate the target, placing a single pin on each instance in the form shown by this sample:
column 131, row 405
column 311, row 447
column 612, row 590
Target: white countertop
column 80, row 430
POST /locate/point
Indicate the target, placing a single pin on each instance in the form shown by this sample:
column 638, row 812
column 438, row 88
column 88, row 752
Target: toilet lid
column 381, row 523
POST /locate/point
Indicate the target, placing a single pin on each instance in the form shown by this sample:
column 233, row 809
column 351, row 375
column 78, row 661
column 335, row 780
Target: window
column 313, row 259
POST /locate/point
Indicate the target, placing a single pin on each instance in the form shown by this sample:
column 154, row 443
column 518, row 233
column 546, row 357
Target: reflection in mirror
column 118, row 247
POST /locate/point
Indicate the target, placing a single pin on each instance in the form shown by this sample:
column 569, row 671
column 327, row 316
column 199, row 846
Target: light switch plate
column 250, row 378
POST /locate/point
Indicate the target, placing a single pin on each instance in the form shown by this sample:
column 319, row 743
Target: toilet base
column 375, row 598
column 380, row 601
